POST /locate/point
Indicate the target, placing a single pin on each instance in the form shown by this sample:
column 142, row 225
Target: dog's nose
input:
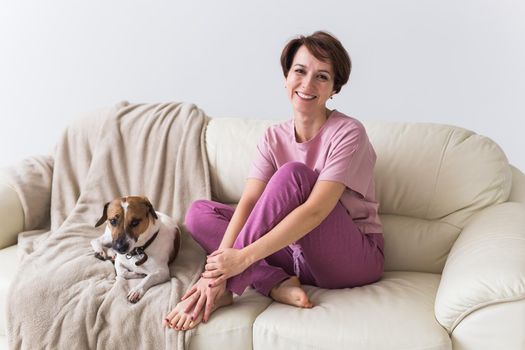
column 121, row 246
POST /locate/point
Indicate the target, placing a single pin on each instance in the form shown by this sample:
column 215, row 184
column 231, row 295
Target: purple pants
column 335, row 254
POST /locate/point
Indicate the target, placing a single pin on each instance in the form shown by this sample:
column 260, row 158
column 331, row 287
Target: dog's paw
column 135, row 294
column 129, row 275
column 101, row 255
column 111, row 255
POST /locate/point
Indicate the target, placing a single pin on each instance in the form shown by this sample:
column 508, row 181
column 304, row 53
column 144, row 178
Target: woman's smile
column 305, row 96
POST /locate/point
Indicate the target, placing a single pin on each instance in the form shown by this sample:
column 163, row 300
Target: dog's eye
column 113, row 222
column 135, row 223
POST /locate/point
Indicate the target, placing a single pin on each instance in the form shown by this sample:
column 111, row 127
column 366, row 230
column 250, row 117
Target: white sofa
column 454, row 216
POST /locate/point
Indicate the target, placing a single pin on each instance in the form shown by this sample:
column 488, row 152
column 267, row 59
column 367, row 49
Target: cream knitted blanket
column 63, row 297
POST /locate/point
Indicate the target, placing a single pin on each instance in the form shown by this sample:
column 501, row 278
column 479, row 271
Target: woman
column 307, row 214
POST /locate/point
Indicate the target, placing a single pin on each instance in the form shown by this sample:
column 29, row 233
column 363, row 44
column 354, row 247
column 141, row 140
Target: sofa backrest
column 430, row 179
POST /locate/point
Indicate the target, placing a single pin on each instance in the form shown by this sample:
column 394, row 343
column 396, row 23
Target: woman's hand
column 225, row 263
column 203, row 296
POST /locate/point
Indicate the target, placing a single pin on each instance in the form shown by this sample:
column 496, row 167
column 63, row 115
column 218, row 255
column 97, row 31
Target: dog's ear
column 104, row 215
column 150, row 208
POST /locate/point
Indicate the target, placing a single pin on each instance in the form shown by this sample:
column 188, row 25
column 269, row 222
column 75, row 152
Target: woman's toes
column 172, row 318
column 186, row 324
column 304, row 301
column 174, row 321
column 307, row 304
column 181, row 322
column 290, row 292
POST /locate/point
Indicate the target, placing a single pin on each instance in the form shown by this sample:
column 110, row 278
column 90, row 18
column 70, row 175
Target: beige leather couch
column 454, row 216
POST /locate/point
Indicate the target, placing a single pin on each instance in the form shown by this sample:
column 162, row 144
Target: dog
column 140, row 241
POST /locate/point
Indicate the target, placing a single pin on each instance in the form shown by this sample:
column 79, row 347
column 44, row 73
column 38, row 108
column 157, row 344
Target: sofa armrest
column 11, row 215
column 31, row 180
column 517, row 192
column 486, row 264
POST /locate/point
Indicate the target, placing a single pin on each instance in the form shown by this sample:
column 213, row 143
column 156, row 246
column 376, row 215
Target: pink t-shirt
column 339, row 152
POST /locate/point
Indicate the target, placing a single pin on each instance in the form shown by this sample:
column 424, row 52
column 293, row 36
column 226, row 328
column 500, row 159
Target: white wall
column 456, row 62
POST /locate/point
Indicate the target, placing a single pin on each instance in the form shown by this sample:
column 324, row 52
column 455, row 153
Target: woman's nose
column 307, row 81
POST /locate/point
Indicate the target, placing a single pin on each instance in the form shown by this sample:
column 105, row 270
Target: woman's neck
column 308, row 125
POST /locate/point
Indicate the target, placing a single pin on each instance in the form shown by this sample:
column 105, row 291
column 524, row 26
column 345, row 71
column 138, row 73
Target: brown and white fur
column 131, row 223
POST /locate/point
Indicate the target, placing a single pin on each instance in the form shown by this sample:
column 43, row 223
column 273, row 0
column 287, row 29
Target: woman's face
column 309, row 83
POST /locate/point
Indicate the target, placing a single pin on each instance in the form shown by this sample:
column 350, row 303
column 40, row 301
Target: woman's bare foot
column 183, row 321
column 290, row 292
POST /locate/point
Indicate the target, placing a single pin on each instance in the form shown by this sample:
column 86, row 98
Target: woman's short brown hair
column 325, row 47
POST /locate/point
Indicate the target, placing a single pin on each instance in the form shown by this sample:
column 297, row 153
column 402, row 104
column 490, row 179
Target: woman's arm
column 225, row 263
column 299, row 222
column 253, row 190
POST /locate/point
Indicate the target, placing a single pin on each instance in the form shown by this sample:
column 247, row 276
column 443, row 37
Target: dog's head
column 128, row 218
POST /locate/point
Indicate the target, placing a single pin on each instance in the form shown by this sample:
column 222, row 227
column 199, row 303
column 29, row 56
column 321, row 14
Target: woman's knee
column 297, row 172
column 195, row 214
column 293, row 168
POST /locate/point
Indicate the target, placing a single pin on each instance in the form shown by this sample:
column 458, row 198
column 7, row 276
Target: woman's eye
column 113, row 222
column 323, row 77
column 300, row 71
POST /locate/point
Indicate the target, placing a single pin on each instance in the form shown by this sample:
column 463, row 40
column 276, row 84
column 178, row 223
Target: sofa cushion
column 395, row 313
column 231, row 327
column 9, row 263
column 437, row 172
column 230, row 145
column 430, row 179
column 413, row 244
